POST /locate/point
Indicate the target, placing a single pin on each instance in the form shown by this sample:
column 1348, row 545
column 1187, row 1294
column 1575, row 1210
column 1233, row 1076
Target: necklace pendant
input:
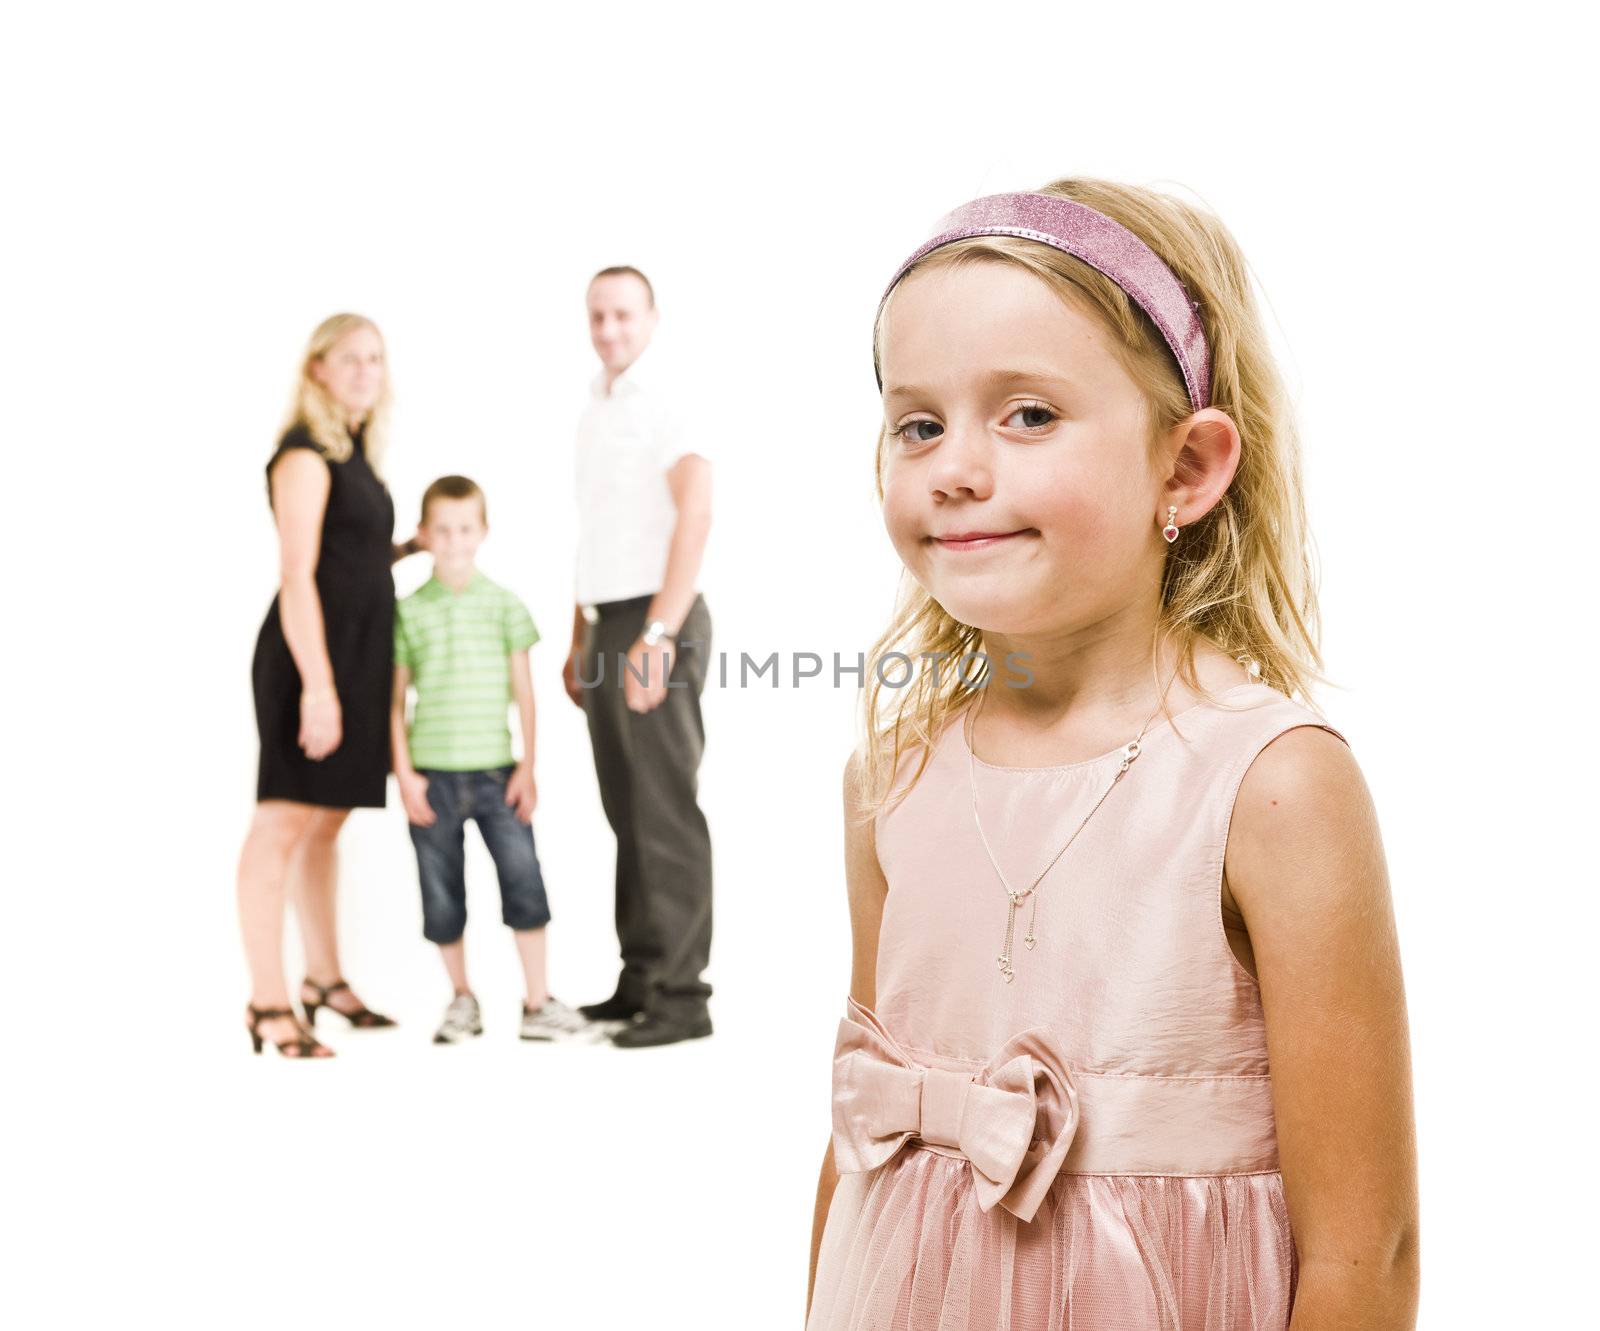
column 1015, row 896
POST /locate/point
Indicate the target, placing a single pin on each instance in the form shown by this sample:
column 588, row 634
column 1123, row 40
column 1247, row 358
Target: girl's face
column 1017, row 487
column 352, row 371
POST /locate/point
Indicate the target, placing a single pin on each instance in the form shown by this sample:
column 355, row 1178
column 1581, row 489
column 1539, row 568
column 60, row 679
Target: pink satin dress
column 1090, row 1145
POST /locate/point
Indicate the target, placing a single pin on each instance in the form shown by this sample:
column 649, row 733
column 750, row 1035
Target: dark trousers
column 648, row 767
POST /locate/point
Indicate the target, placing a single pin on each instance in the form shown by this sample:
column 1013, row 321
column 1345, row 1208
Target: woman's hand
column 412, row 545
column 321, row 724
column 414, row 796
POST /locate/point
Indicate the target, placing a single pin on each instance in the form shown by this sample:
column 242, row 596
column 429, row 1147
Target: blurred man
column 638, row 670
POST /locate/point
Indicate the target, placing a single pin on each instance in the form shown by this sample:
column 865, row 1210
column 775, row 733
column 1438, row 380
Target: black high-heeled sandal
column 364, row 1018
column 302, row 1046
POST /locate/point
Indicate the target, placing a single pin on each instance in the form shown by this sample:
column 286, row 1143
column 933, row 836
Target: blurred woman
column 322, row 671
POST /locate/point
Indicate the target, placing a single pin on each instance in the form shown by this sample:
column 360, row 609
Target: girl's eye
column 919, row 432
column 1033, row 416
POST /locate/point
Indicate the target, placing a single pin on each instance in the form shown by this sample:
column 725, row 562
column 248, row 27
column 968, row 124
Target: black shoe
column 654, row 1030
column 361, row 1017
column 612, row 1009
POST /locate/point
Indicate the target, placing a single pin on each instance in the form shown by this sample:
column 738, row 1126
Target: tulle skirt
column 907, row 1248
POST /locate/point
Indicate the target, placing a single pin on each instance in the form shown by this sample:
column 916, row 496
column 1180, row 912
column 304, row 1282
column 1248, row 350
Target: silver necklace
column 1016, row 896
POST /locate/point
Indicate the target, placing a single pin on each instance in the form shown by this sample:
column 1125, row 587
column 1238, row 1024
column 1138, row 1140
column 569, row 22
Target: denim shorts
column 441, row 853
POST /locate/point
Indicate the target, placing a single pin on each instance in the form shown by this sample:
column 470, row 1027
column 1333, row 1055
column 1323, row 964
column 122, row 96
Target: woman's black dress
column 356, row 587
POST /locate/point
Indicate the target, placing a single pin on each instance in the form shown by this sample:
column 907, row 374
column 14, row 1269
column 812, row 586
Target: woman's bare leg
column 314, row 888
column 276, row 828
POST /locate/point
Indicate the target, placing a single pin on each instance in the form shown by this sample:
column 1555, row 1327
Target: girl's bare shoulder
column 1304, row 826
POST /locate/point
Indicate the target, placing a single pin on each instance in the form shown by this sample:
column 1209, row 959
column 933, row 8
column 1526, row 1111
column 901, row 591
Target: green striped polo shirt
column 458, row 648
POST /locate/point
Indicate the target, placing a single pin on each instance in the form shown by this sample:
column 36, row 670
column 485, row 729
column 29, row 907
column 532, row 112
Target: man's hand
column 644, row 681
column 414, row 795
column 521, row 793
column 569, row 675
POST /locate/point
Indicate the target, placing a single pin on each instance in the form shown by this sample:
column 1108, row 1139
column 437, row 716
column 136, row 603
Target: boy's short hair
column 454, row 487
column 627, row 270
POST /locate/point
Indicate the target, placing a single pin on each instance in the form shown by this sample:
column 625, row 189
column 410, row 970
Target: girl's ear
column 1204, row 453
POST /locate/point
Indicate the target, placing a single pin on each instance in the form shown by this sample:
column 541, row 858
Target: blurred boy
column 462, row 641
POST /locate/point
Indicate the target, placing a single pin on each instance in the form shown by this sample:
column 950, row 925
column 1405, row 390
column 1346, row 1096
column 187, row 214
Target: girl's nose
column 962, row 465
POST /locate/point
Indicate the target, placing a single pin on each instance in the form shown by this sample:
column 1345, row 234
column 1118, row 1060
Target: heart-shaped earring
column 1170, row 531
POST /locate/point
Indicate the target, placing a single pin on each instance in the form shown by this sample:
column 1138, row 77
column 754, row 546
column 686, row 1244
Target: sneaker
column 554, row 1020
column 462, row 1019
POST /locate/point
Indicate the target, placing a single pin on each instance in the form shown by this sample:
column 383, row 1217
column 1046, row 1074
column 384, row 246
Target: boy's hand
column 521, row 793
column 414, row 795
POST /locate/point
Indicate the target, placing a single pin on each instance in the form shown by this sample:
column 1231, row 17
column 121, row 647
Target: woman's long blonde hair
column 313, row 408
column 1240, row 576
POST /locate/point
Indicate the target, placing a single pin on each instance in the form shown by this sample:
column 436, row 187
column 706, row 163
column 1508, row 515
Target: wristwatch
column 655, row 631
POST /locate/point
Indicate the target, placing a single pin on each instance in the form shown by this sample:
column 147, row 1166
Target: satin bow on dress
column 882, row 1098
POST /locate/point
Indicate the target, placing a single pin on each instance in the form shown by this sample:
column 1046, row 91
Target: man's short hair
column 627, row 270
column 454, row 487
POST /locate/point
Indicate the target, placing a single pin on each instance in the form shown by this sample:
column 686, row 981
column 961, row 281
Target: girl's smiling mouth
column 978, row 540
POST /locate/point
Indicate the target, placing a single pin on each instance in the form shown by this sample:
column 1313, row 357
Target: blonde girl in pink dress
column 1125, row 1047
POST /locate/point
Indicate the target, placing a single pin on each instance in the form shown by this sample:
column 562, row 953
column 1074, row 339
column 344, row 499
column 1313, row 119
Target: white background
column 189, row 190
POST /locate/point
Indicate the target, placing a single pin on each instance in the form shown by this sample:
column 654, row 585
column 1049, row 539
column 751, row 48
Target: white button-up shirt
column 628, row 439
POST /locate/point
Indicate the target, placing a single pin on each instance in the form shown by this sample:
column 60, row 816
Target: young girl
column 1103, row 871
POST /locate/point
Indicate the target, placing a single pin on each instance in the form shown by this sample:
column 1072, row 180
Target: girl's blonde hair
column 1240, row 576
column 317, row 411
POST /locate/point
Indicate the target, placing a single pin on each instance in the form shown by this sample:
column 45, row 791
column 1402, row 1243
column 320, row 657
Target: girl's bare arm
column 1305, row 866
column 866, row 888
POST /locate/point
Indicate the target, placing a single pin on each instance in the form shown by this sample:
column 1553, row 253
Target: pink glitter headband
column 1108, row 246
